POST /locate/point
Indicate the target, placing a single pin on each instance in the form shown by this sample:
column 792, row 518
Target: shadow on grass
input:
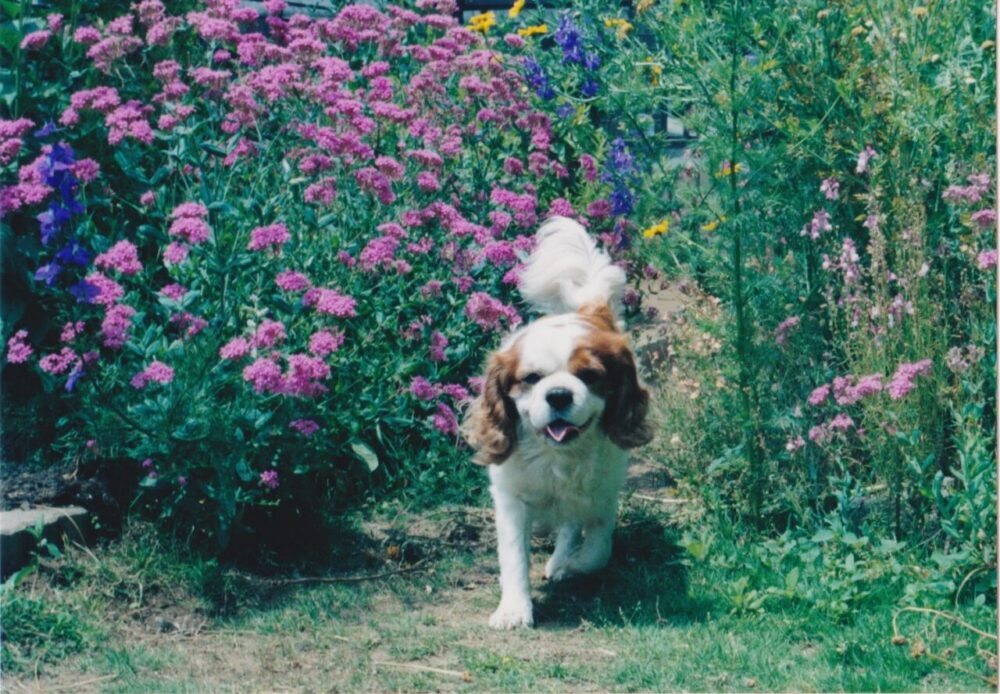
column 645, row 583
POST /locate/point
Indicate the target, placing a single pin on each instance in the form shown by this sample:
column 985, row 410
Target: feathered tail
column 567, row 270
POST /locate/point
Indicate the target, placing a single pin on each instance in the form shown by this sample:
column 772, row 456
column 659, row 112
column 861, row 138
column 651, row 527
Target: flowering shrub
column 840, row 202
column 271, row 250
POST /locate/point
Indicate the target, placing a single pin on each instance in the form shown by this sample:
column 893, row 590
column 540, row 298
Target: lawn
column 136, row 616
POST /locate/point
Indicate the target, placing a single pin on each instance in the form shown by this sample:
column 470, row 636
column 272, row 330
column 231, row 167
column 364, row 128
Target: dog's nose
column 559, row 398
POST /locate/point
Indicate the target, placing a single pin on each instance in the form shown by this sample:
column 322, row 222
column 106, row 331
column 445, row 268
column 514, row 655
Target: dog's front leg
column 513, row 550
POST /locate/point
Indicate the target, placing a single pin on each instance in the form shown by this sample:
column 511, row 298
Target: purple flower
column 902, row 381
column 269, row 478
column 863, row 158
column 423, row 389
column 306, row 427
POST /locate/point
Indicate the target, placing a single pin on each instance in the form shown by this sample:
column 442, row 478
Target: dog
column 561, row 403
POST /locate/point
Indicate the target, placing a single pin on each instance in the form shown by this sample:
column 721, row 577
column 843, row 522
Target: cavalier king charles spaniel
column 560, row 405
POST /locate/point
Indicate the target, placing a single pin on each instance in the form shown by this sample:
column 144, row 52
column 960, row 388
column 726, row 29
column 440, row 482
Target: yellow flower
column 622, row 26
column 728, row 170
column 644, row 5
column 919, row 12
column 515, row 9
column 655, row 69
column 656, row 229
column 533, row 30
column 858, row 30
column 713, row 225
column 483, row 22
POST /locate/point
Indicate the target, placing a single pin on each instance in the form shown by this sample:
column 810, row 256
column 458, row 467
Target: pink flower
column 18, row 350
column 324, row 342
column 330, row 302
column 840, row 423
column 487, row 312
column 235, row 349
column 156, row 372
column 190, row 229
column 86, row 35
column 176, row 253
column 109, row 291
column 269, row 479
column 189, row 209
column 863, row 159
column 174, row 291
column 785, row 327
column 306, row 427
column 304, row 372
column 902, row 380
column 36, row 40
column 984, row 218
column 123, row 256
column 819, row 395
column 794, row 444
column 59, row 363
column 427, row 182
column 819, row 435
column 290, row 281
column 147, row 199
column 830, row 187
column 115, row 325
column 437, row 346
column 987, row 260
column 70, row 331
column 445, row 420
column 423, row 389
column 264, row 375
column 271, row 237
column 268, row 334
column 379, row 252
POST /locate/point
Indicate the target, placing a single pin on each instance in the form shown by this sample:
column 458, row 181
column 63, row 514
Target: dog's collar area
column 561, row 432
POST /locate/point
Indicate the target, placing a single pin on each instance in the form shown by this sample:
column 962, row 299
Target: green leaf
column 366, row 454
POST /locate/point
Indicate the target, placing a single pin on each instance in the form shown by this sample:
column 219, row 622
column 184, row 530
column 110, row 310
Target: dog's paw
column 512, row 616
column 558, row 570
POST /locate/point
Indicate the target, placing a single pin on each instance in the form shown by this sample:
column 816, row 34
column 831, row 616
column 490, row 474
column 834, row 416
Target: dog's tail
column 567, row 270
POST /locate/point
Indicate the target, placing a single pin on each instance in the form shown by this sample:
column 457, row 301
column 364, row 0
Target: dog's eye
column 589, row 376
column 532, row 378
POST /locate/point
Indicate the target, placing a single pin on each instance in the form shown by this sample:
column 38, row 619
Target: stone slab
column 17, row 537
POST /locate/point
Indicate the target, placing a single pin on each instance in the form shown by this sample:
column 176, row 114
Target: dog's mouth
column 561, row 432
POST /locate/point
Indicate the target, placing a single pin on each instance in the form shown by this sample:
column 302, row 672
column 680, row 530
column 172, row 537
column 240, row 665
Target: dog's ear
column 491, row 424
column 627, row 402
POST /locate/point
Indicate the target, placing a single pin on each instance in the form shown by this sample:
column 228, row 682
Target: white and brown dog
column 561, row 403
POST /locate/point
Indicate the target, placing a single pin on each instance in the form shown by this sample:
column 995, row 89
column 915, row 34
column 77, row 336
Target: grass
column 139, row 616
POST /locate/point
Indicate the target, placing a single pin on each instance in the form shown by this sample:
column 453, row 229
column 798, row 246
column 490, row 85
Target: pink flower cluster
column 302, row 379
column 123, row 257
column 488, row 312
column 271, row 237
column 18, row 349
column 902, row 381
column 330, row 302
column 979, row 185
column 156, row 372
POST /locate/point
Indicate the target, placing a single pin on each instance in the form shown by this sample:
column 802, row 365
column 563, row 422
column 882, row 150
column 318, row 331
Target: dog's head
column 562, row 379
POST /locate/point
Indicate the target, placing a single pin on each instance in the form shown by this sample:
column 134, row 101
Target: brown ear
column 627, row 403
column 599, row 314
column 491, row 424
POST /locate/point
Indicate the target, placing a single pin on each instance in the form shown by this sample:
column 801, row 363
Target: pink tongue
column 559, row 430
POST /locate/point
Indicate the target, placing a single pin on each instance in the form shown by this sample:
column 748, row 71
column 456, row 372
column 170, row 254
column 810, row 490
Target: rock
column 17, row 532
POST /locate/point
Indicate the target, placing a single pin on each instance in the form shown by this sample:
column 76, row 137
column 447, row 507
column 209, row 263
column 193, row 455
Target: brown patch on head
column 599, row 315
column 491, row 425
column 605, row 363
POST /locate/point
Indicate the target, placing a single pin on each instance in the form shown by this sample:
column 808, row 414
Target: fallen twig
column 330, row 579
column 937, row 613
column 77, row 686
column 466, row 675
column 662, row 500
